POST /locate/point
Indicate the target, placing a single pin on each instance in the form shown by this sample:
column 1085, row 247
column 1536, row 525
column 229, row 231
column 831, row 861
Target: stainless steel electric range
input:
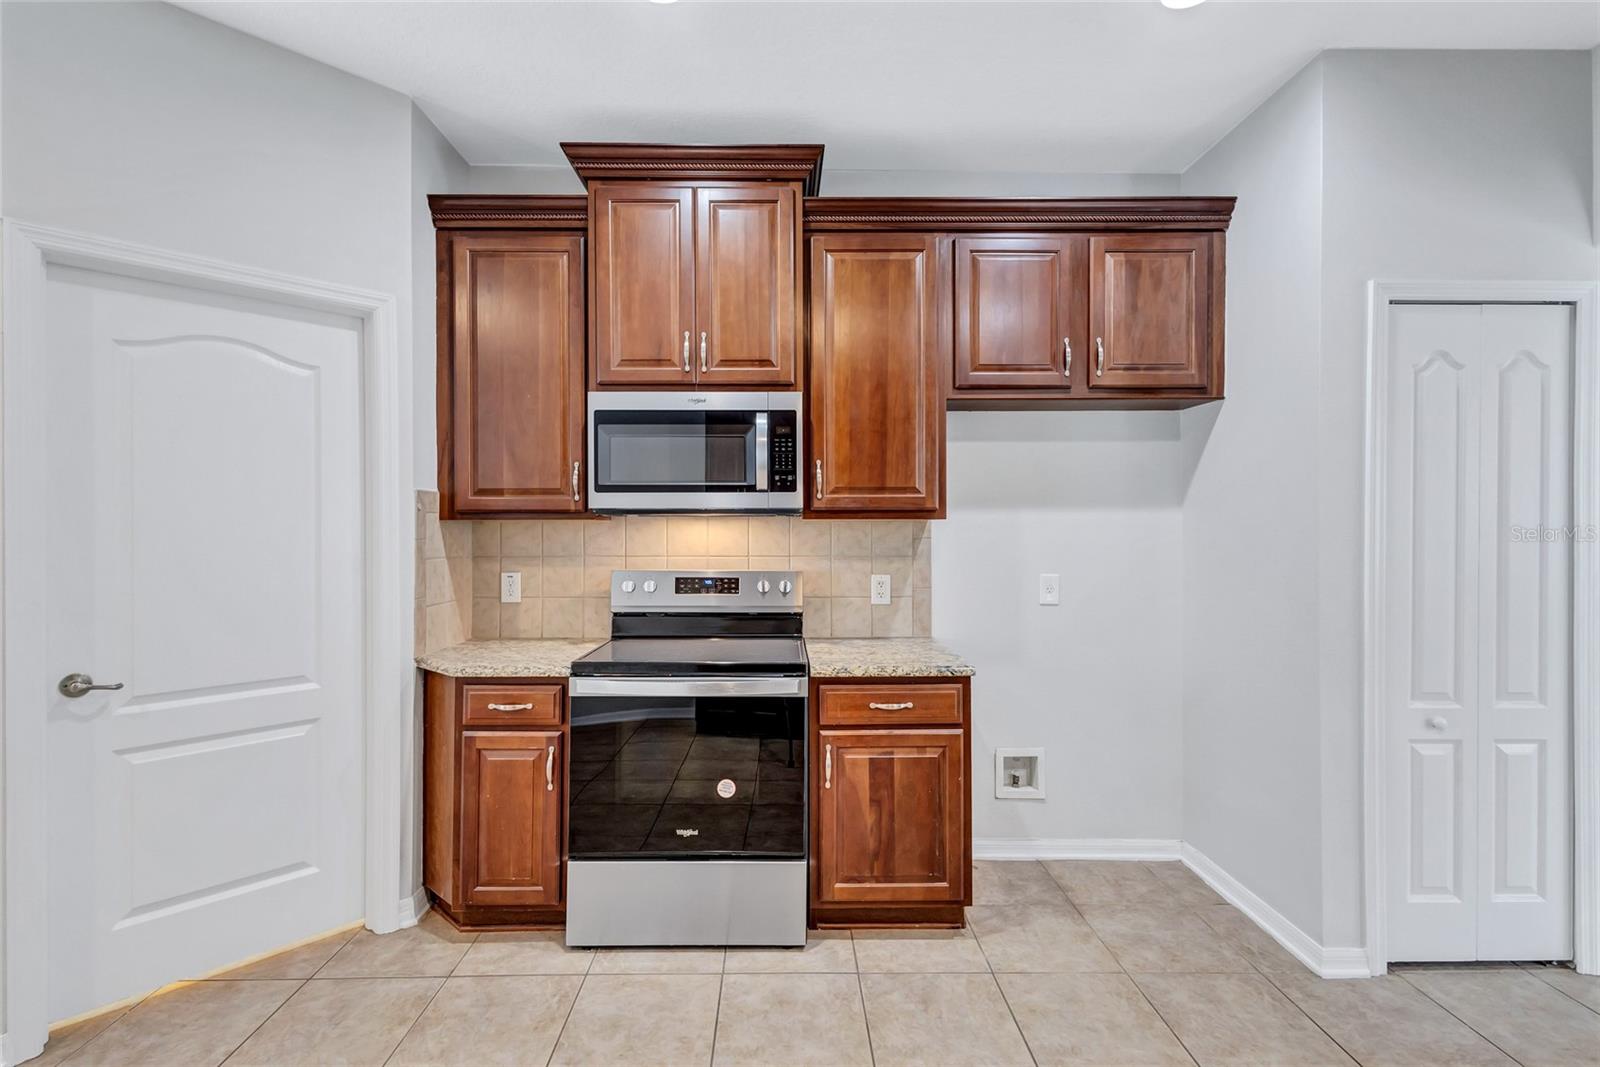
column 687, row 823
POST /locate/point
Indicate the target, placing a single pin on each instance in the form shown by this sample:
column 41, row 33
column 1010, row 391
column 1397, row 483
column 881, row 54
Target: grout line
column 78, row 1048
column 1563, row 992
column 256, row 1029
column 418, row 1019
column 861, row 992
column 716, row 1019
column 1453, row 1015
column 1170, row 1028
column 582, row 979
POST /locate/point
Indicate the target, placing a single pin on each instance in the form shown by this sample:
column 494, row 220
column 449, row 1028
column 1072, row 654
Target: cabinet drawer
column 512, row 705
column 887, row 705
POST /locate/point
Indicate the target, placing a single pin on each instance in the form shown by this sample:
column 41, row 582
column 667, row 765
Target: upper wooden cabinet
column 695, row 284
column 1019, row 311
column 880, row 334
column 511, row 385
column 1150, row 310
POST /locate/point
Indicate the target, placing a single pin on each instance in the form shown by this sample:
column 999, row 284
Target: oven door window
column 674, row 451
column 680, row 778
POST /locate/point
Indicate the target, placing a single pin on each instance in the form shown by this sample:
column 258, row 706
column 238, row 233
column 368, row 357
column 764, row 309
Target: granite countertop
column 884, row 657
column 507, row 659
column 877, row 657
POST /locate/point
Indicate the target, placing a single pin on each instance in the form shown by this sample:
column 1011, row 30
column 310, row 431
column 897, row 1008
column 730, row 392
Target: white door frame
column 1585, row 600
column 388, row 532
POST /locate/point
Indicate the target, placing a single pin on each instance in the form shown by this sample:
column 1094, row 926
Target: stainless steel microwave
column 680, row 451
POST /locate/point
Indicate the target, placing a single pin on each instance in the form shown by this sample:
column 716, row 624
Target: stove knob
column 649, row 585
column 785, row 587
column 627, row 585
column 763, row 587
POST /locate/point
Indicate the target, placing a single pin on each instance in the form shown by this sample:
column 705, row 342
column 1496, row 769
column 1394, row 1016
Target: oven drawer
column 511, row 705
column 890, row 704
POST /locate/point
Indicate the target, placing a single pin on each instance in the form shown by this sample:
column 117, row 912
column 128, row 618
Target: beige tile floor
column 1071, row 962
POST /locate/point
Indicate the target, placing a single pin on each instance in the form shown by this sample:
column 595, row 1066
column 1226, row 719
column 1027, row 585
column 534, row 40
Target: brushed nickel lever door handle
column 77, row 684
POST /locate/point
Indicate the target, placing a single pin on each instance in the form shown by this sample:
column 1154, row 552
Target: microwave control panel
column 783, row 467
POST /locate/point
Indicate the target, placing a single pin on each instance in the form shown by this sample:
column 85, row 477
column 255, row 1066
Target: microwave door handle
column 761, row 451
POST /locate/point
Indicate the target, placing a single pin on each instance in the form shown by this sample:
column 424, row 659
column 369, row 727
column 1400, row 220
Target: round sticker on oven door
column 726, row 788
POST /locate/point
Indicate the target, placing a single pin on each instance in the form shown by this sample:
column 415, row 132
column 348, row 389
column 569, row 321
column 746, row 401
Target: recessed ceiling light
column 1175, row 5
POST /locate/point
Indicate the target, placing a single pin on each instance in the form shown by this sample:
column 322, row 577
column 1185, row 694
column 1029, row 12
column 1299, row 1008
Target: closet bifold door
column 1149, row 310
column 1019, row 312
column 516, row 379
column 643, row 283
column 747, row 290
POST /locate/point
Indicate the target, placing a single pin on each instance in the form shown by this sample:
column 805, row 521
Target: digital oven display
column 684, row 584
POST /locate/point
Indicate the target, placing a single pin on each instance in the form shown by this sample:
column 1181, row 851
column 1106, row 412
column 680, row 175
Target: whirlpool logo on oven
column 689, row 832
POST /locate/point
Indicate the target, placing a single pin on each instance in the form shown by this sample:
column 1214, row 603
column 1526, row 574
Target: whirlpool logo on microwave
column 689, row 832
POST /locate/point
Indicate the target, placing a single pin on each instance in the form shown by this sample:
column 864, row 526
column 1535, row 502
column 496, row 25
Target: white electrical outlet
column 1049, row 588
column 880, row 588
column 510, row 587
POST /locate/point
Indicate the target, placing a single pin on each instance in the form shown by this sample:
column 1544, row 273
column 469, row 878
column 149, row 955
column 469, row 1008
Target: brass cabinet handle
column 827, row 766
column 1100, row 357
column 686, row 351
column 818, row 480
column 1066, row 343
column 510, row 707
column 702, row 351
column 875, row 706
column 550, row 768
column 574, row 479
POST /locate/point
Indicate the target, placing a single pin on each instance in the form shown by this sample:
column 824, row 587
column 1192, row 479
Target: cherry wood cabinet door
column 643, row 283
column 511, row 802
column 1019, row 311
column 1149, row 299
column 746, row 285
column 891, row 816
column 880, row 336
column 517, row 390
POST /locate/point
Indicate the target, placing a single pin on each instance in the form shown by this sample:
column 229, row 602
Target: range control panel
column 716, row 584
column 667, row 591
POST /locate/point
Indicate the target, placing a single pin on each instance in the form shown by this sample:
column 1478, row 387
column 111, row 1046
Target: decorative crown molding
column 508, row 212
column 844, row 213
column 747, row 162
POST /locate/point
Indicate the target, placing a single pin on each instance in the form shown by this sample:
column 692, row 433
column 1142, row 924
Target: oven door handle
column 783, row 686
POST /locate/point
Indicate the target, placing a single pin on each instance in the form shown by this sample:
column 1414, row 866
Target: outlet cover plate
column 1049, row 588
column 880, row 588
column 510, row 587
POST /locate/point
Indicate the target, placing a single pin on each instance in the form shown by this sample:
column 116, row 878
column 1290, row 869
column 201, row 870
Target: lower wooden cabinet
column 891, row 802
column 510, row 817
column 494, row 799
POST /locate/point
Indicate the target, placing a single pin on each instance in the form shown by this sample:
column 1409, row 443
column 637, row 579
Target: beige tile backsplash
column 566, row 567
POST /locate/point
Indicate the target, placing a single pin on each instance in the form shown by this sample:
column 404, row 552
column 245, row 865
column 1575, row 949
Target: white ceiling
column 1043, row 88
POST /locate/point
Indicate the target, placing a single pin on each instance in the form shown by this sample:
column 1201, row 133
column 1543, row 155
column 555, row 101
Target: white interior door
column 1478, row 707
column 205, row 551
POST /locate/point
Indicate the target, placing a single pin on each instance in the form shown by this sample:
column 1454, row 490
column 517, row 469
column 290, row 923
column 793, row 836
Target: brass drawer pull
column 875, row 706
column 510, row 707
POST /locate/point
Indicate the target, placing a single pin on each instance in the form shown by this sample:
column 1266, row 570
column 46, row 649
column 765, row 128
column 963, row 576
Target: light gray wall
column 1437, row 165
column 1093, row 497
column 436, row 167
column 1249, row 540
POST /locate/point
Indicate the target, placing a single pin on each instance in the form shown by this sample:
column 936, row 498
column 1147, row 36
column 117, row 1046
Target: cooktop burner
column 675, row 656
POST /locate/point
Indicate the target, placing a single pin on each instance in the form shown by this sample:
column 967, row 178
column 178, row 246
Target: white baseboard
column 1075, row 848
column 413, row 908
column 1327, row 962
